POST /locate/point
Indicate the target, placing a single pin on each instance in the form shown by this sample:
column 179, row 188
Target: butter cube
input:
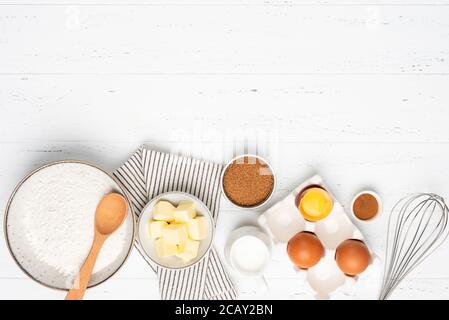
column 164, row 249
column 163, row 210
column 156, row 227
column 185, row 211
column 175, row 233
column 189, row 250
column 197, row 228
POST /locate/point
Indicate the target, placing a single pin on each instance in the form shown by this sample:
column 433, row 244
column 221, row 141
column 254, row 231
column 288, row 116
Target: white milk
column 249, row 255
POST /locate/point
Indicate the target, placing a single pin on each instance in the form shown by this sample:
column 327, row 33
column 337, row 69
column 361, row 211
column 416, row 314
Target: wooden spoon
column 110, row 214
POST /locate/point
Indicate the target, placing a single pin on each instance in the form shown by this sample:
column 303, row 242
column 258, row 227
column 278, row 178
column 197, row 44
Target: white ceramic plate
column 148, row 244
column 48, row 251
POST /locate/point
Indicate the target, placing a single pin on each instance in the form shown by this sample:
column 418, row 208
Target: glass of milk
column 248, row 251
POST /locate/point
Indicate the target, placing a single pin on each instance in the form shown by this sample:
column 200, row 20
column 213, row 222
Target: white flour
column 51, row 224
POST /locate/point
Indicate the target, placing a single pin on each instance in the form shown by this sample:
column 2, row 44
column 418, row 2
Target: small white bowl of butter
column 176, row 230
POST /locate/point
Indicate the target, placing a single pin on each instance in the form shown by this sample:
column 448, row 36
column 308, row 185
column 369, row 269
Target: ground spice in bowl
column 365, row 206
column 248, row 181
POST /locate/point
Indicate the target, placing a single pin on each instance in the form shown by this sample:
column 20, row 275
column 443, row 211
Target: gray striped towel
column 149, row 173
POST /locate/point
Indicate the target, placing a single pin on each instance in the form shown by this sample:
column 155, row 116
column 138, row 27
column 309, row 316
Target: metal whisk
column 417, row 226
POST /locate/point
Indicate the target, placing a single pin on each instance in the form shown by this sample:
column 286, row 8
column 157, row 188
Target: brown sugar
column 248, row 182
column 365, row 206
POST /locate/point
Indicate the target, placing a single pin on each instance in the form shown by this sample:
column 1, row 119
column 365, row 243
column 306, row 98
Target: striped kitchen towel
column 149, row 173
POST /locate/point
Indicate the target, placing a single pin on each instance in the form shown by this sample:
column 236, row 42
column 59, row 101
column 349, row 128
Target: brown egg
column 352, row 257
column 305, row 249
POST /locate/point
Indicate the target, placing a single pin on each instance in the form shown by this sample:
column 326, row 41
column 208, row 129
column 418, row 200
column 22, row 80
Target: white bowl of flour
column 49, row 224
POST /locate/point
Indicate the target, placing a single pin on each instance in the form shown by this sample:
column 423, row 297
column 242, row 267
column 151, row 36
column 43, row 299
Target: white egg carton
column 283, row 220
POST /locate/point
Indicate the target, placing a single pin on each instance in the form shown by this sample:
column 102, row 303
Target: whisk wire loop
column 417, row 226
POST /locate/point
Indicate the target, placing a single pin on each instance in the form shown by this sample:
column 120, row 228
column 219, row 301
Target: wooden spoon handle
column 81, row 282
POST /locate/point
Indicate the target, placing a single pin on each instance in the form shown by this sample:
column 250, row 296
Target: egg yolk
column 315, row 204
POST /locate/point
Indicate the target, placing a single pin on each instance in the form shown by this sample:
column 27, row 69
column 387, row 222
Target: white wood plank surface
column 229, row 40
column 354, row 90
column 319, row 108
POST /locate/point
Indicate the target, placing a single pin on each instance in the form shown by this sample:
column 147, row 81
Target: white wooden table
column 356, row 90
